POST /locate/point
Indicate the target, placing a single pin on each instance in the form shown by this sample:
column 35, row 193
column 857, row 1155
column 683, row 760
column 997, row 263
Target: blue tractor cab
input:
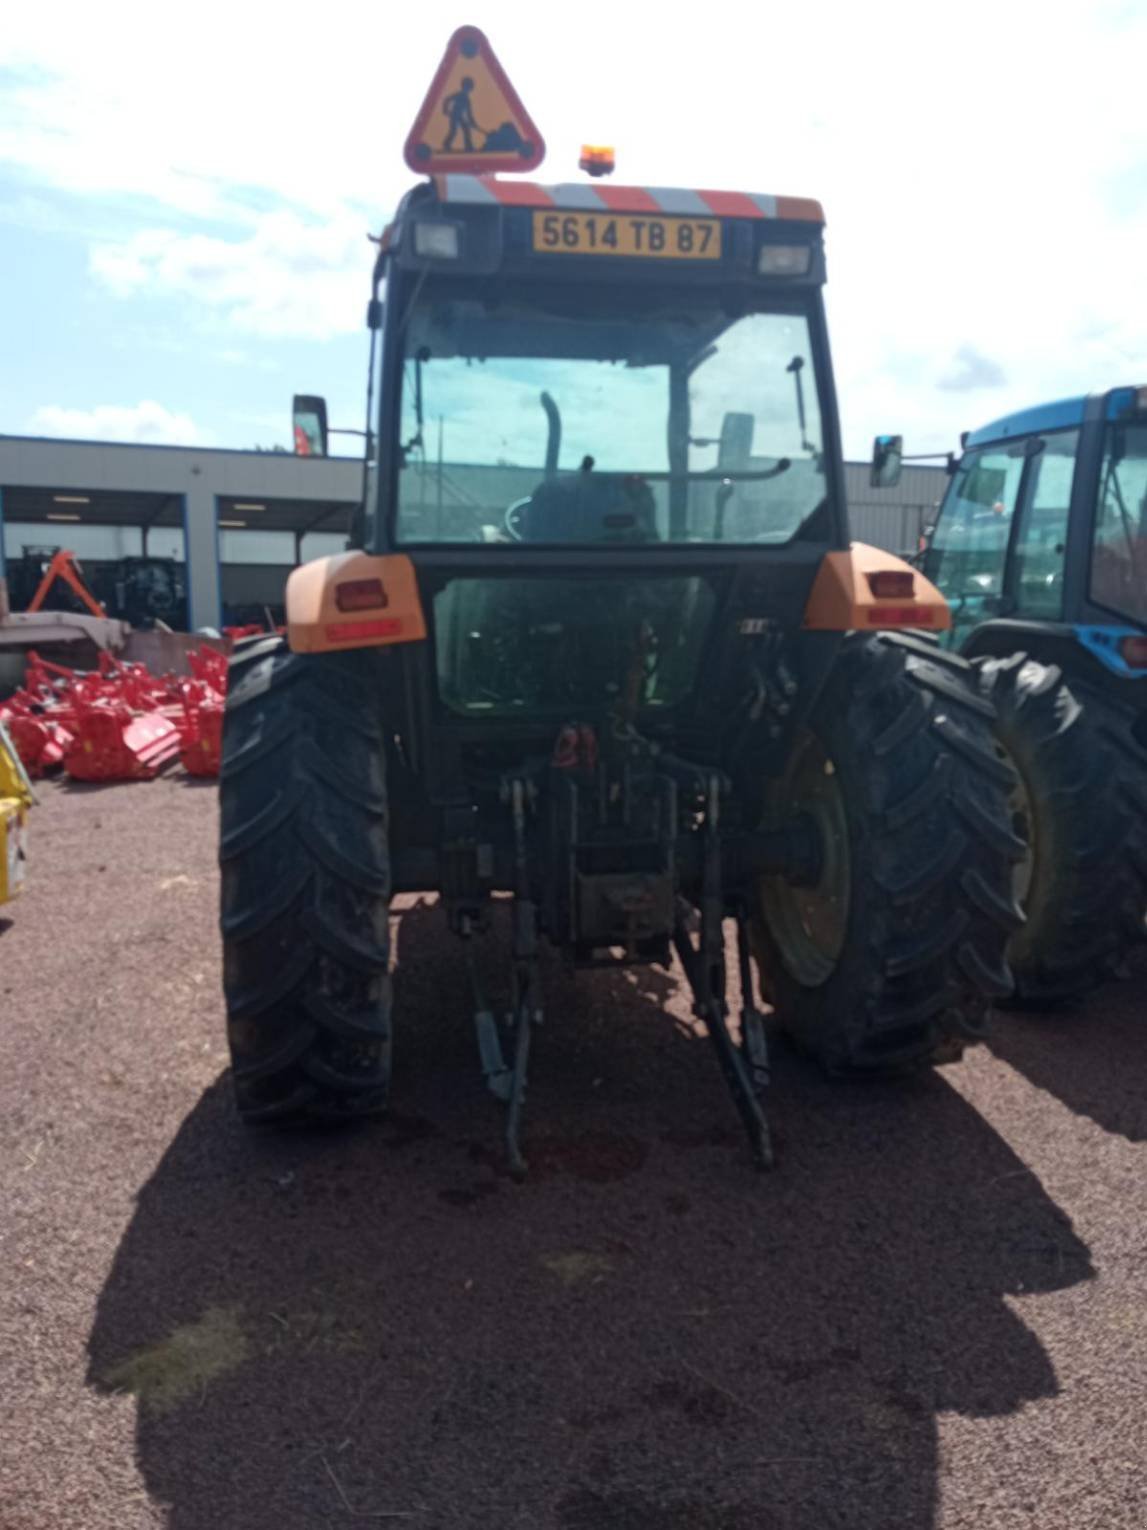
column 1041, row 540
column 1040, row 548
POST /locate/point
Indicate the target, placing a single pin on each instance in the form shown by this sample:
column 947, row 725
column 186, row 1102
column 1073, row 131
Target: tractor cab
column 607, row 377
column 599, row 413
column 1043, row 533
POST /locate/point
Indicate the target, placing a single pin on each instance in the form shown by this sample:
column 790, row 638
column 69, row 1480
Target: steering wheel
column 512, row 520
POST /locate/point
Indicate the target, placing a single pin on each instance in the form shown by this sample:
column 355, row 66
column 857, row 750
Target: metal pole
column 438, row 519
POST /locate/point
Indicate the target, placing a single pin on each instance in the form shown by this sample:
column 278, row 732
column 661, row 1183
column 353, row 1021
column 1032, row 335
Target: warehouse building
column 233, row 523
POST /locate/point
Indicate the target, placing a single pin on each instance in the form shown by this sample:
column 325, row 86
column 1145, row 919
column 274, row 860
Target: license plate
column 581, row 233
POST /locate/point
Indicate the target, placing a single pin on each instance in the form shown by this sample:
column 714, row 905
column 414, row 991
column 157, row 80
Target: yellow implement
column 16, row 797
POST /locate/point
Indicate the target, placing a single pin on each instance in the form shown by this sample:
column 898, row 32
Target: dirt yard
column 934, row 1313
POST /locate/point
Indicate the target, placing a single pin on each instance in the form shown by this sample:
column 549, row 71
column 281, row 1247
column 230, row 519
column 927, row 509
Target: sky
column 186, row 194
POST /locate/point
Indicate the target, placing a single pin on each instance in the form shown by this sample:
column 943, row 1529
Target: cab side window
column 1119, row 557
column 1041, row 538
column 969, row 545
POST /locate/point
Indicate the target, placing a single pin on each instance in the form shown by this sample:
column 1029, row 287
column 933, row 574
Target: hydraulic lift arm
column 64, row 566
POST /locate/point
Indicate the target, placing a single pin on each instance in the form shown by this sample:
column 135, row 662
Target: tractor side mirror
column 887, row 456
column 309, row 417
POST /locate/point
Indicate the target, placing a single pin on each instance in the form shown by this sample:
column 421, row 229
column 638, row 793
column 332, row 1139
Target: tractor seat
column 591, row 507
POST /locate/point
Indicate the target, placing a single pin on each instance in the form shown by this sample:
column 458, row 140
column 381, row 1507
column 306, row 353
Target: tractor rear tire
column 305, row 866
column 892, row 961
column 1081, row 807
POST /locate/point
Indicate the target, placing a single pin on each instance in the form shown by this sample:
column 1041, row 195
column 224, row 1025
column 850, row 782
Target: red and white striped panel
column 581, row 196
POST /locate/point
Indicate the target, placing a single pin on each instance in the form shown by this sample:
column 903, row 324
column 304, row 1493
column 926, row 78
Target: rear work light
column 1133, row 652
column 784, row 260
column 360, row 595
column 437, row 241
column 892, row 584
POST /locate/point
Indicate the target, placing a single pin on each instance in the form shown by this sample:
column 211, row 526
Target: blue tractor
column 1040, row 548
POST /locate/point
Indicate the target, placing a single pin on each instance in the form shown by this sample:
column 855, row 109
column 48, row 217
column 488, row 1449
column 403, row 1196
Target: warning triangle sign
column 472, row 119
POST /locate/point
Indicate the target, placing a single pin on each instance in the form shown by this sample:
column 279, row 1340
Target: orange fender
column 843, row 597
column 353, row 600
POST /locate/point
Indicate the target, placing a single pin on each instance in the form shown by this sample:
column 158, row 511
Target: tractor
column 1040, row 547
column 601, row 648
column 147, row 592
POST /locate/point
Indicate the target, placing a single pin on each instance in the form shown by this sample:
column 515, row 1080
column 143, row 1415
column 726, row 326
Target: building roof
column 58, row 482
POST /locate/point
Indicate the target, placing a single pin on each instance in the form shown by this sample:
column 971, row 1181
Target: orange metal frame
column 64, row 566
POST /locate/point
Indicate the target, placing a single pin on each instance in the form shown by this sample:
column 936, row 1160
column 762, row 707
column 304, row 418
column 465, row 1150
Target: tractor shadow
column 325, row 1328
column 1093, row 1057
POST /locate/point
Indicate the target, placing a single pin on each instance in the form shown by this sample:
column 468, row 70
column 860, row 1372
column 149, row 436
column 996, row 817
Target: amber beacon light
column 597, row 159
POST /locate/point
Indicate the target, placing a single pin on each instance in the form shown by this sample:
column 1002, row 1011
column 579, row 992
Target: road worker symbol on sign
column 459, row 109
column 472, row 119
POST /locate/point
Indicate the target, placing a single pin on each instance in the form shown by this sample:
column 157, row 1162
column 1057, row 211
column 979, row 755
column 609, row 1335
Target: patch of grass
column 163, row 1375
column 577, row 1266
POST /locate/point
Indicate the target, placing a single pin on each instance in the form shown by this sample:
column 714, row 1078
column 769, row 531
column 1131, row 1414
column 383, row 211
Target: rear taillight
column 1133, row 652
column 892, row 584
column 360, row 595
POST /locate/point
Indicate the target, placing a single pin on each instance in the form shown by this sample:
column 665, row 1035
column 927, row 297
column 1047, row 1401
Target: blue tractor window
column 970, row 543
column 1041, row 537
column 1119, row 557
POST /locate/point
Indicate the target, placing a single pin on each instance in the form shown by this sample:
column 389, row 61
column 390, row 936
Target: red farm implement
column 202, row 698
column 119, row 722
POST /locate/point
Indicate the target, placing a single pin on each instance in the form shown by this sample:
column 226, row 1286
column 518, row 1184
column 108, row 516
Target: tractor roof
column 584, row 197
column 1062, row 415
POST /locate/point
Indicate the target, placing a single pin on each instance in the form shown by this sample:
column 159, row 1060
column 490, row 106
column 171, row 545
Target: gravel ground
column 933, row 1314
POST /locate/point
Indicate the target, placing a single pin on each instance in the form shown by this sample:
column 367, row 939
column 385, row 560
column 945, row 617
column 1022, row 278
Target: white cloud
column 289, row 276
column 146, row 424
column 228, row 115
column 969, row 369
